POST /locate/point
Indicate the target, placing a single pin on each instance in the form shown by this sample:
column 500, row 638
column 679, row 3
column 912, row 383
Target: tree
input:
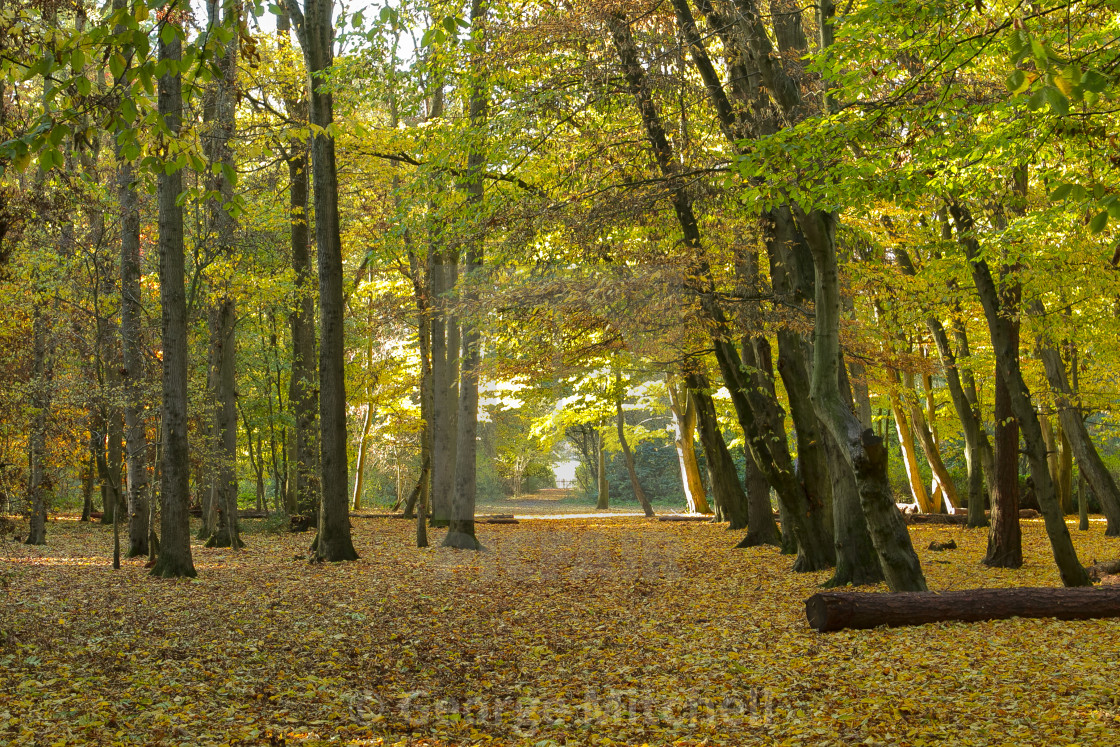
column 175, row 542
column 315, row 31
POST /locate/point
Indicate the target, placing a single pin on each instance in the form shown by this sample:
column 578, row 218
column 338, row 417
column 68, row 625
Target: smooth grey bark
column 1089, row 461
column 461, row 531
column 1006, row 347
column 1005, row 538
column 175, row 543
column 314, row 27
column 303, row 389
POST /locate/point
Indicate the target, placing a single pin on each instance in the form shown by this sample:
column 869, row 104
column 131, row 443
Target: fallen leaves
column 562, row 632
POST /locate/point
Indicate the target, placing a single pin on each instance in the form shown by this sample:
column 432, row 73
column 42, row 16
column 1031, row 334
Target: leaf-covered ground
column 611, row 631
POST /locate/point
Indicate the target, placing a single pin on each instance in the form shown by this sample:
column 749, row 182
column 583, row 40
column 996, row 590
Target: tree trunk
column 460, row 532
column 831, row 610
column 1005, row 540
column 132, row 352
column 857, row 563
column 635, row 484
column 1082, row 504
column 86, row 478
column 682, row 406
column 1006, row 343
column 175, row 543
column 333, row 543
column 727, row 491
column 603, row 486
column 1065, row 473
column 909, row 453
column 360, row 466
column 765, row 437
column 1073, row 426
column 221, row 126
column 863, row 450
column 38, row 484
column 303, row 391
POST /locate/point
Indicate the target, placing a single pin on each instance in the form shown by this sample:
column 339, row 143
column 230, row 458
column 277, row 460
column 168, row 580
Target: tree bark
column 132, row 361
column 1073, row 426
column 333, row 543
column 909, row 453
column 461, row 531
column 603, row 485
column 832, row 610
column 303, row 390
column 1005, row 342
column 683, row 408
column 175, row 543
column 620, row 421
column 38, row 481
column 727, row 491
column 1005, row 539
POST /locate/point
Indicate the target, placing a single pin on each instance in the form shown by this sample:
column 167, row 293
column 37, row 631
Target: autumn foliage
column 603, row 631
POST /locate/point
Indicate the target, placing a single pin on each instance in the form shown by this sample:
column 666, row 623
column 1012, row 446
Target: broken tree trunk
column 837, row 610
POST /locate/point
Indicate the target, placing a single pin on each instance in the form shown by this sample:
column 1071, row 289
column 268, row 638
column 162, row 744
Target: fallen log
column 685, row 517
column 499, row 520
column 1097, row 571
column 837, row 610
column 935, row 518
column 942, row 546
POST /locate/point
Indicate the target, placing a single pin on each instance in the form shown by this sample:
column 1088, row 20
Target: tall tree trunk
column 360, row 466
column 628, row 456
column 333, row 543
column 909, row 452
column 602, row 484
column 1006, row 344
column 683, row 408
column 303, row 388
column 219, row 117
column 1065, row 473
column 461, row 528
column 763, row 436
column 175, row 543
column 1073, row 426
column 727, row 491
column 38, row 482
column 1005, row 539
column 865, row 453
column 132, row 352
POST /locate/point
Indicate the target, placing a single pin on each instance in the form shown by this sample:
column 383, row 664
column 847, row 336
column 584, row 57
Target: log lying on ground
column 685, row 517
column 837, row 610
column 1097, row 571
column 935, row 518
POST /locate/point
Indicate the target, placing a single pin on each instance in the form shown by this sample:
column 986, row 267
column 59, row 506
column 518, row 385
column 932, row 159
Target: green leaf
column 450, row 25
column 1099, row 221
column 1037, row 99
column 1059, row 104
column 168, row 33
column 1094, row 81
column 116, row 64
column 1017, row 82
column 1061, row 192
column 77, row 60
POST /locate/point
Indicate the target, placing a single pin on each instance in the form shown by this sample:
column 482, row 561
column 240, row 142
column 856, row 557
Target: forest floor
column 562, row 632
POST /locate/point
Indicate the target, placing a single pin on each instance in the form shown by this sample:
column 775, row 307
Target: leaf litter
column 563, row 632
